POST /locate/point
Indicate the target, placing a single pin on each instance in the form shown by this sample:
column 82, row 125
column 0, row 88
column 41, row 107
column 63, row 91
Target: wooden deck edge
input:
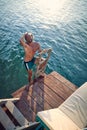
column 64, row 80
column 18, row 91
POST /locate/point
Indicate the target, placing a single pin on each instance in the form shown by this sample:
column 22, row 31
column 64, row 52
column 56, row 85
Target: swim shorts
column 29, row 64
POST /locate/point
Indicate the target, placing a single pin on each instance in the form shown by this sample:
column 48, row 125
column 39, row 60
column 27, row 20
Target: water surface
column 59, row 24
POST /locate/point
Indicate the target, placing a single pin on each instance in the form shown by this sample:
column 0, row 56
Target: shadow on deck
column 46, row 93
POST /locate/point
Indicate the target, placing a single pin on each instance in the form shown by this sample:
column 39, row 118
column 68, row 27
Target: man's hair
column 28, row 37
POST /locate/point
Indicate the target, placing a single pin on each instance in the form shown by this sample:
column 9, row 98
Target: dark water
column 59, row 24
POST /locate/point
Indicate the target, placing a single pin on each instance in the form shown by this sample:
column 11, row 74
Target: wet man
column 30, row 49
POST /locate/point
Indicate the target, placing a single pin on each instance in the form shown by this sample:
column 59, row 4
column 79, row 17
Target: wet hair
column 28, row 37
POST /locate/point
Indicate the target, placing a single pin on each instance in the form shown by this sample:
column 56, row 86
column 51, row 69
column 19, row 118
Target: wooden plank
column 39, row 95
column 45, row 98
column 32, row 98
column 60, row 85
column 16, row 113
column 46, row 93
column 52, row 95
column 63, row 91
column 51, row 85
column 64, row 80
column 31, row 102
column 26, row 110
column 35, row 98
column 24, row 103
column 3, row 101
column 15, row 94
column 5, row 120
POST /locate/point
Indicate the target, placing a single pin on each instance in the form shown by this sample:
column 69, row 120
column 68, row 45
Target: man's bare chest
column 34, row 47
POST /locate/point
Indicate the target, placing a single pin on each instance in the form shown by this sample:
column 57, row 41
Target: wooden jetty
column 46, row 93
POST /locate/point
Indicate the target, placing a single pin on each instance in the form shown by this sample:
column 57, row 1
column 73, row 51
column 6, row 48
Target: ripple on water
column 63, row 29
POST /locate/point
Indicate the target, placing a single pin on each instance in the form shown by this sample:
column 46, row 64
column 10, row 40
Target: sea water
column 59, row 24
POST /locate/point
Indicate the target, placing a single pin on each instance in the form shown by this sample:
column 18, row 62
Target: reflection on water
column 59, row 24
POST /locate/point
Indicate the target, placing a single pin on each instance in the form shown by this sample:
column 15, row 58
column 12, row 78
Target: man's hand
column 39, row 48
column 22, row 40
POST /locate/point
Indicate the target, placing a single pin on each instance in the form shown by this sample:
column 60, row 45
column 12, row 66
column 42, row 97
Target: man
column 30, row 49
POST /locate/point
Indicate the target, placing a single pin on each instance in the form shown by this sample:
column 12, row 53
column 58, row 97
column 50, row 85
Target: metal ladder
column 41, row 62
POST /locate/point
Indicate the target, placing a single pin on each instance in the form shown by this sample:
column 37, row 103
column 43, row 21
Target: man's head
column 28, row 37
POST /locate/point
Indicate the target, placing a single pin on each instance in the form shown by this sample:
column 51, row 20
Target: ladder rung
column 5, row 120
column 16, row 113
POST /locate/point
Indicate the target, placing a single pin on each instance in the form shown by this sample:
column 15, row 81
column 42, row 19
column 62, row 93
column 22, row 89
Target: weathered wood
column 16, row 113
column 46, row 93
column 64, row 80
column 34, row 97
column 19, row 91
column 39, row 96
column 26, row 110
column 52, row 95
column 29, row 99
column 56, row 86
column 3, row 101
column 44, row 98
column 5, row 120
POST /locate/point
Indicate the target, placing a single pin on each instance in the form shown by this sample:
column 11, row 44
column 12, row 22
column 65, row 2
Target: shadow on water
column 32, row 99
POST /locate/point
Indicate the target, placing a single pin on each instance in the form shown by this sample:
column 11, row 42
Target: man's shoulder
column 36, row 43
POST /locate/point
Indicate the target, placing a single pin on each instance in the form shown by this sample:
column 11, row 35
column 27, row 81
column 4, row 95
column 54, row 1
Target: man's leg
column 30, row 76
column 29, row 79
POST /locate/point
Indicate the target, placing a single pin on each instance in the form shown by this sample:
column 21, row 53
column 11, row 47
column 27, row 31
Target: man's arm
column 22, row 41
column 39, row 48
